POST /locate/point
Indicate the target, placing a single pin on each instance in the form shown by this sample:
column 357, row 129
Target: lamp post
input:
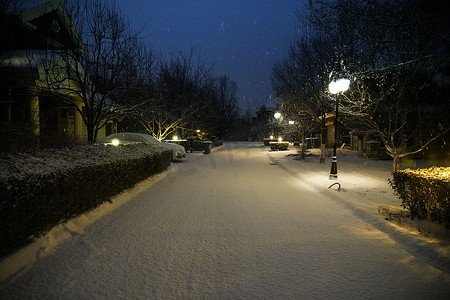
column 336, row 87
column 277, row 116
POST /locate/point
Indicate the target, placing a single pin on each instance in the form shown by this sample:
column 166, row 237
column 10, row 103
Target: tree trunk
column 396, row 163
column 322, row 153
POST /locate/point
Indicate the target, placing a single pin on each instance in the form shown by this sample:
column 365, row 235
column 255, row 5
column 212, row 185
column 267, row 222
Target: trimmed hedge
column 425, row 193
column 267, row 141
column 32, row 202
column 278, row 146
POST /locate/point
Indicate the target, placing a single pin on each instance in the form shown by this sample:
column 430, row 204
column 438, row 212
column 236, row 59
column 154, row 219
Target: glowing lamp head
column 175, row 138
column 280, row 139
column 271, row 137
column 339, row 85
column 291, row 122
column 277, row 115
column 115, row 142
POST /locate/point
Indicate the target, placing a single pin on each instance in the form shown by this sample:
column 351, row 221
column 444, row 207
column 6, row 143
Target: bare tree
column 182, row 96
column 299, row 80
column 398, row 52
column 227, row 107
column 99, row 73
column 402, row 110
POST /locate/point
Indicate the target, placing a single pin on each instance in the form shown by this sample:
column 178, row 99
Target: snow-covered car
column 133, row 137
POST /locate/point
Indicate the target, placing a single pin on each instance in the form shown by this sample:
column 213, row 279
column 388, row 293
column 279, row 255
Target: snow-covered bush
column 425, row 193
column 39, row 190
column 278, row 146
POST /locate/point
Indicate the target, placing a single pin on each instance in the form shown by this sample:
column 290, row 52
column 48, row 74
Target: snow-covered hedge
column 279, row 146
column 39, row 190
column 425, row 193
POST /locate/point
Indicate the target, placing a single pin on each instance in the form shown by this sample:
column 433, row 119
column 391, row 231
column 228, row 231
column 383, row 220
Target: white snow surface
column 240, row 223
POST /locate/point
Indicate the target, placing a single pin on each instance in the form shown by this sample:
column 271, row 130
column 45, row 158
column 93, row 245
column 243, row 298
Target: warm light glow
column 339, row 85
column 175, row 138
column 277, row 115
column 280, row 139
column 198, row 130
column 291, row 122
column 271, row 137
column 115, row 142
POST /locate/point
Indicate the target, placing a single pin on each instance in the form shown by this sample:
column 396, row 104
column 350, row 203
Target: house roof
column 29, row 10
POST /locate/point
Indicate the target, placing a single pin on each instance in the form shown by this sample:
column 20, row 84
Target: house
column 35, row 35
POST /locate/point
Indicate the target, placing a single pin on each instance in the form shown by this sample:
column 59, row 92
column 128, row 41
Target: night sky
column 241, row 38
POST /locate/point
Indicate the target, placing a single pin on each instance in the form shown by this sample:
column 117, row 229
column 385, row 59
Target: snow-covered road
column 241, row 223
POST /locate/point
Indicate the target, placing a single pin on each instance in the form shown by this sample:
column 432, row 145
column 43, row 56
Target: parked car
column 125, row 138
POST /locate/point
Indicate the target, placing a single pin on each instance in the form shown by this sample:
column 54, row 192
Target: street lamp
column 277, row 116
column 336, row 87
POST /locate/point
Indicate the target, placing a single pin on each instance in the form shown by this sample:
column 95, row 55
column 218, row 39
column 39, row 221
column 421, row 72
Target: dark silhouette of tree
column 227, row 107
column 182, row 96
column 300, row 79
column 397, row 55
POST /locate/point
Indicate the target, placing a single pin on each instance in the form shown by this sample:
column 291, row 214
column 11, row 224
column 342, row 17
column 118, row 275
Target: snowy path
column 236, row 224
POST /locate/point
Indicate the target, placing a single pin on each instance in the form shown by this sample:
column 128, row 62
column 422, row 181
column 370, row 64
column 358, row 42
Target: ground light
column 115, row 142
column 335, row 87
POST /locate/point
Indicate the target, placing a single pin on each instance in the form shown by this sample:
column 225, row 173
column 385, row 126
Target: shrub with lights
column 425, row 193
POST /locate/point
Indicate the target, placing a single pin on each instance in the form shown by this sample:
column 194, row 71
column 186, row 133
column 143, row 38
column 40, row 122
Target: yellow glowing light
column 280, row 139
column 271, row 137
column 115, row 142
column 277, row 115
column 291, row 122
column 198, row 130
column 340, row 85
column 175, row 138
